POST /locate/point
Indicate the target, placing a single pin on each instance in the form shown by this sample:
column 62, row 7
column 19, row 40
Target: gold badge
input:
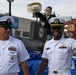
column 55, row 72
column 8, row 20
column 56, row 21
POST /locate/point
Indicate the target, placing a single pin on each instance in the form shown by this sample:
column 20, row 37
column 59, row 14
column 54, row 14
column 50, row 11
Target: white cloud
column 19, row 7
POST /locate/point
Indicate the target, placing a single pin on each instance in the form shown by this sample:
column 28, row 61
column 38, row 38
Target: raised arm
column 72, row 27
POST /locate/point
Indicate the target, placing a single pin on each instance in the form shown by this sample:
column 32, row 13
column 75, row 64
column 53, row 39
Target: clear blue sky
column 19, row 7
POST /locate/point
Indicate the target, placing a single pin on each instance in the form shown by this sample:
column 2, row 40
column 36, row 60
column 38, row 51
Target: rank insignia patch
column 62, row 46
column 12, row 48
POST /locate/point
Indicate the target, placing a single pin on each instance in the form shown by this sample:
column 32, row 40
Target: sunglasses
column 56, row 27
column 7, row 27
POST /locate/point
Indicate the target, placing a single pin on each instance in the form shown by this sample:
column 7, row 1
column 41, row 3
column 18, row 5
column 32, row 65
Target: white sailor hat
column 34, row 7
column 56, row 21
column 6, row 20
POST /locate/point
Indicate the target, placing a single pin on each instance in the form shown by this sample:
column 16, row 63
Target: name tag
column 47, row 48
column 12, row 53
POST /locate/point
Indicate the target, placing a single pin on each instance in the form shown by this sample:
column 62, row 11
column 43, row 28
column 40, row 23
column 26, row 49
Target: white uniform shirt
column 59, row 54
column 11, row 53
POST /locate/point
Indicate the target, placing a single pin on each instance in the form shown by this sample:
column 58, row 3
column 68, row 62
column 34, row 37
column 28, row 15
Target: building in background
column 21, row 26
column 23, row 29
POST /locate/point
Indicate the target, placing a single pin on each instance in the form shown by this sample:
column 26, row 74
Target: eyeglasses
column 56, row 27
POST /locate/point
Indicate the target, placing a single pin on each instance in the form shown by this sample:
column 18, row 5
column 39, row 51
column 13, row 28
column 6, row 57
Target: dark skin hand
column 42, row 66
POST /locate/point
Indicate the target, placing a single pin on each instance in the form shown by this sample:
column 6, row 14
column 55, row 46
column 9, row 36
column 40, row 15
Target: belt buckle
column 55, row 72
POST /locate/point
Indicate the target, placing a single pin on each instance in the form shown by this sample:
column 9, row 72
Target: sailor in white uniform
column 12, row 50
column 58, row 51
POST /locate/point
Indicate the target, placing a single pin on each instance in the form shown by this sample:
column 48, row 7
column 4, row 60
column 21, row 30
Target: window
column 17, row 33
column 25, row 34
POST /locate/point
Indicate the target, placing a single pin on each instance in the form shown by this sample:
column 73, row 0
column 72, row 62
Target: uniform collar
column 62, row 39
column 9, row 41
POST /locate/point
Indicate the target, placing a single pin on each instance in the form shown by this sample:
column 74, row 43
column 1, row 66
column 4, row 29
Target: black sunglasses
column 56, row 27
column 7, row 27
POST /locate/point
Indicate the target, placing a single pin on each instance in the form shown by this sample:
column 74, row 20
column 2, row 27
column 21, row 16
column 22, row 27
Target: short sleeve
column 74, row 45
column 44, row 55
column 22, row 54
